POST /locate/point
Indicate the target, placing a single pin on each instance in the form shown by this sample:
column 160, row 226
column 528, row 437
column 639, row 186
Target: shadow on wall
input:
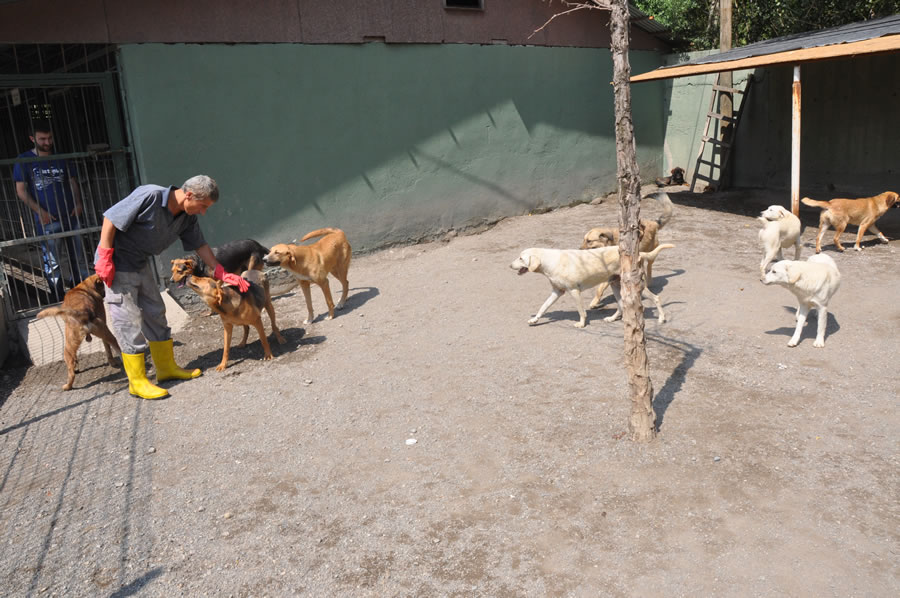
column 323, row 134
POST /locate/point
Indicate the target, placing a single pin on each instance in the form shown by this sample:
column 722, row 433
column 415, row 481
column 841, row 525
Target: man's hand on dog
column 231, row 279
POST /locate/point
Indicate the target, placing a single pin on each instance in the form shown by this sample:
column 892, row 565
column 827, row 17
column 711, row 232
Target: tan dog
column 813, row 282
column 781, row 229
column 232, row 306
column 313, row 263
column 649, row 231
column 860, row 212
column 576, row 270
column 184, row 268
column 82, row 309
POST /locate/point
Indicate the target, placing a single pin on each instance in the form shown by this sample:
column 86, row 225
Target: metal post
column 795, row 144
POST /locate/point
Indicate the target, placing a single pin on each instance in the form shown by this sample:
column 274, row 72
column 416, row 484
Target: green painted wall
column 392, row 143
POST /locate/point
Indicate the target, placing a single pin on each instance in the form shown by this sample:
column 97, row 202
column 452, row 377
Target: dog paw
column 792, row 343
column 67, row 387
column 612, row 318
column 857, row 247
column 220, row 367
column 533, row 321
column 267, row 357
column 579, row 324
column 819, row 343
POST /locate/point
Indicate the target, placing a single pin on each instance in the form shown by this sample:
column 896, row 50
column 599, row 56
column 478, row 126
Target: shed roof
column 866, row 37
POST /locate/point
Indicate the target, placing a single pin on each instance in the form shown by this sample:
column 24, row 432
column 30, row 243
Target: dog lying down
column 781, row 229
column 577, row 270
column 84, row 314
column 813, row 282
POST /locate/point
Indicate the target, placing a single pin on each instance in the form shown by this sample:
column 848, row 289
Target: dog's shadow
column 356, row 297
column 253, row 351
column 812, row 323
column 657, row 285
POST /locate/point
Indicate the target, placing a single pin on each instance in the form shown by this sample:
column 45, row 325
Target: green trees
column 695, row 23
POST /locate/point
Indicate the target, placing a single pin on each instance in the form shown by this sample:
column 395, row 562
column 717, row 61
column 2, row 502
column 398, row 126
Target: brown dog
column 676, row 178
column 82, row 309
column 231, row 305
column 184, row 268
column 313, row 263
column 860, row 212
column 649, row 231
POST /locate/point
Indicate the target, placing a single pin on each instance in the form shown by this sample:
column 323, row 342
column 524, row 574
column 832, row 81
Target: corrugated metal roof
column 854, row 32
column 866, row 37
column 647, row 23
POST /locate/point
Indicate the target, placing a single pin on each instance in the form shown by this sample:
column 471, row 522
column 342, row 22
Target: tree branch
column 575, row 6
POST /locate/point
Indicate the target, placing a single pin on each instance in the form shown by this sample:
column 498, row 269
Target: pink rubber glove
column 232, row 279
column 104, row 267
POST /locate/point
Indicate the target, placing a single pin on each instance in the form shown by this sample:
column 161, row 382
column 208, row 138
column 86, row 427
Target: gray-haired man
column 135, row 229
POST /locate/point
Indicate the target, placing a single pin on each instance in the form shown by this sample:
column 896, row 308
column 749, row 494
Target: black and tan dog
column 232, row 306
column 82, row 309
column 183, row 267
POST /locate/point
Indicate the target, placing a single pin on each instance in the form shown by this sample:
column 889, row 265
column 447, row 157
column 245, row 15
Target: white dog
column 576, row 270
column 781, row 230
column 814, row 282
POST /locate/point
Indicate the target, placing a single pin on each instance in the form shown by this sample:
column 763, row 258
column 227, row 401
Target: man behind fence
column 50, row 189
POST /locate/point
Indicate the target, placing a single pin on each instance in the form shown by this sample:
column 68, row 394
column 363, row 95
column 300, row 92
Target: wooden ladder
column 724, row 147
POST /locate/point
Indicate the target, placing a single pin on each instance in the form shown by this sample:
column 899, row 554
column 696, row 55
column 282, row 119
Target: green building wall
column 392, row 143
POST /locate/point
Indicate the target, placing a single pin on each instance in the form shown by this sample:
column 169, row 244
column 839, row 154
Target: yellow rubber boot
column 138, row 385
column 164, row 359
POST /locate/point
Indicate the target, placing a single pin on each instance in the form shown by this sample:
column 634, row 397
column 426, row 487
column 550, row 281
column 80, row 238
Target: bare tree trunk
column 642, row 424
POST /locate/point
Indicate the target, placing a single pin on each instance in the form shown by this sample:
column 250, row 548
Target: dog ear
column 793, row 278
column 533, row 263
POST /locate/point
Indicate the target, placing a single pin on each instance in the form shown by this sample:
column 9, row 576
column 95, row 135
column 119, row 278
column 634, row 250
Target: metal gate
column 38, row 261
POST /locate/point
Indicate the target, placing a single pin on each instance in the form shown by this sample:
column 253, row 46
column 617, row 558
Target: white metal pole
column 795, row 143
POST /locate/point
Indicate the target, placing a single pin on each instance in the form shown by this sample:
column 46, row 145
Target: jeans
column 51, row 257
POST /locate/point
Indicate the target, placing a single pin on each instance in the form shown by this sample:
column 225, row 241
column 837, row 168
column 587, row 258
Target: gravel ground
column 775, row 472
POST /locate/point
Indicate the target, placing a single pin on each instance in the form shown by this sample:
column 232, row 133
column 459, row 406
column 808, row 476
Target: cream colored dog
column 781, row 229
column 813, row 282
column 577, row 270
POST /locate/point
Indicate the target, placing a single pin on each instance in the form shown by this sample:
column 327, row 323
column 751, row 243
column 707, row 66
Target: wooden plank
column 889, row 43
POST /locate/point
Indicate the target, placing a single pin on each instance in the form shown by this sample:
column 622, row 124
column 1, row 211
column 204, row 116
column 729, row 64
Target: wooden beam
column 890, row 43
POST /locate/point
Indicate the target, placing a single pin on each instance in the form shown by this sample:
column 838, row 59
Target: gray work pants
column 136, row 310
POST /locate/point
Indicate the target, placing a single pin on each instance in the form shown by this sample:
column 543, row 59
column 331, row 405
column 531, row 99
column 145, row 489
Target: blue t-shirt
column 146, row 227
column 48, row 184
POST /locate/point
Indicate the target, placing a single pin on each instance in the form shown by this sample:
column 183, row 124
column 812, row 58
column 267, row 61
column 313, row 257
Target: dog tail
column 651, row 255
column 808, row 201
column 321, row 232
column 76, row 316
column 663, row 198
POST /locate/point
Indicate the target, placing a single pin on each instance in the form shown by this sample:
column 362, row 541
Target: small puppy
column 813, row 282
column 677, row 178
column 313, row 263
column 781, row 229
column 576, row 270
column 649, row 231
column 82, row 309
column 860, row 212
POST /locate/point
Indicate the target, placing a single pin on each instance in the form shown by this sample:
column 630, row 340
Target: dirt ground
column 775, row 472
